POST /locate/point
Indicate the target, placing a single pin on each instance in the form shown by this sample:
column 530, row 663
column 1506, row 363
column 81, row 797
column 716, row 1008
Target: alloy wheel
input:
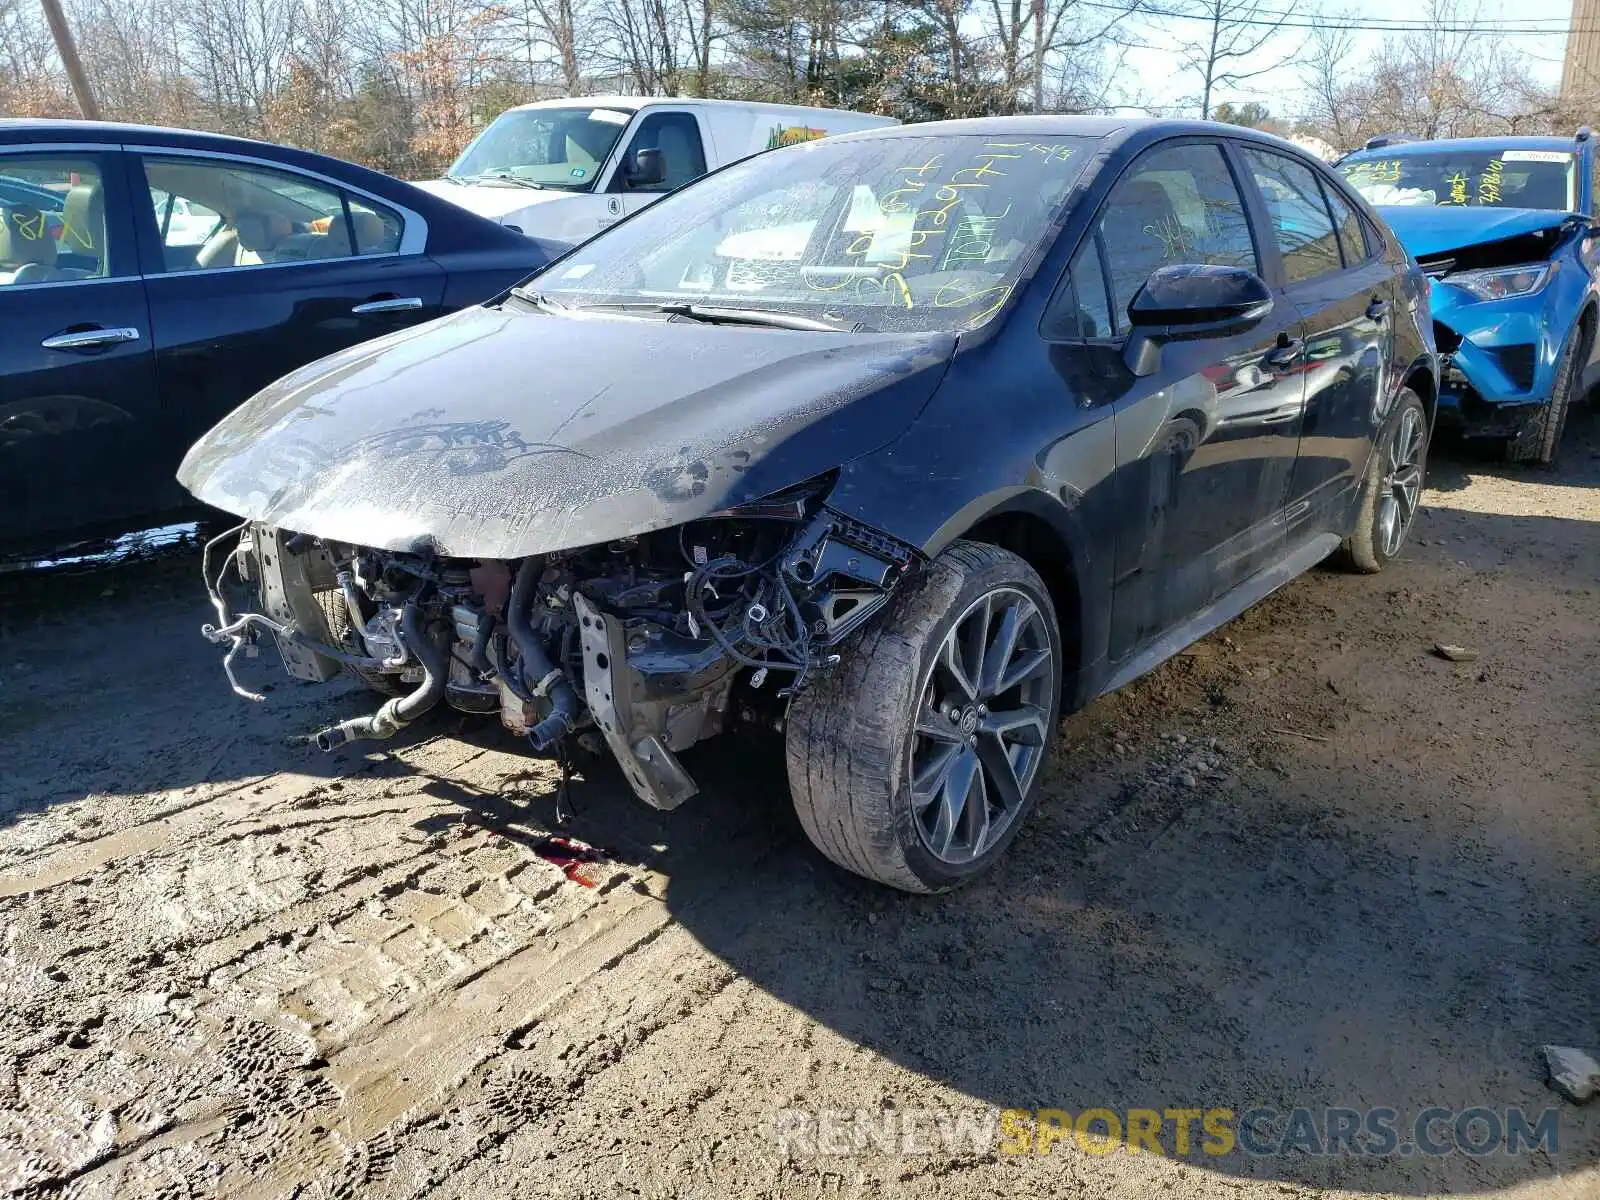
column 1402, row 483
column 981, row 726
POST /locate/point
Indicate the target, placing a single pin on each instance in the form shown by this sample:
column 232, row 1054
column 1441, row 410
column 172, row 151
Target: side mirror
column 648, row 168
column 1191, row 301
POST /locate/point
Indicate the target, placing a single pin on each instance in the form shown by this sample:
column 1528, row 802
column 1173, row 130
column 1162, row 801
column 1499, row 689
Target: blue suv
column 1504, row 227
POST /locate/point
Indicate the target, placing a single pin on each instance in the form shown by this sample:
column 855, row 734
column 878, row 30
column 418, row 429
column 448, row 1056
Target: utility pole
column 68, row 50
column 1038, row 56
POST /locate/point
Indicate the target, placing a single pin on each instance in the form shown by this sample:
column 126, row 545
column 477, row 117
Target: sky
column 1280, row 89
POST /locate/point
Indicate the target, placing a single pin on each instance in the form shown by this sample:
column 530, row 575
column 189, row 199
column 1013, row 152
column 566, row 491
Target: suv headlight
column 1500, row 283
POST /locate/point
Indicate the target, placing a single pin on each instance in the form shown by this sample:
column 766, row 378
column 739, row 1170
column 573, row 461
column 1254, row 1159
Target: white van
column 565, row 169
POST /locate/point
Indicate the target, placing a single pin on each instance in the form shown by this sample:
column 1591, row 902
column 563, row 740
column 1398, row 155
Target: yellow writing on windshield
column 1458, row 187
column 917, row 209
column 1385, row 170
column 960, row 295
column 1489, row 182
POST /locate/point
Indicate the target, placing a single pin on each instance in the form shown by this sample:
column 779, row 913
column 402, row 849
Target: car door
column 1206, row 443
column 676, row 133
column 79, row 412
column 1346, row 296
column 297, row 268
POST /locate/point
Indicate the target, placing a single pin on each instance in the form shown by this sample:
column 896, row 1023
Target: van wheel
column 915, row 762
column 1393, row 489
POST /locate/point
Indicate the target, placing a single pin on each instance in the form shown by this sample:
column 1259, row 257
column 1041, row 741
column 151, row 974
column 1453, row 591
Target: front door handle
column 389, row 304
column 1284, row 353
column 88, row 339
column 1378, row 310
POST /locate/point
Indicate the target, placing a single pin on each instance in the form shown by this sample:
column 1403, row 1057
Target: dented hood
column 501, row 432
column 1438, row 229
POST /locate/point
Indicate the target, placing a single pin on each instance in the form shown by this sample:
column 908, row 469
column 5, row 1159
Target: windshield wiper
column 507, row 177
column 753, row 316
column 538, row 299
column 455, row 179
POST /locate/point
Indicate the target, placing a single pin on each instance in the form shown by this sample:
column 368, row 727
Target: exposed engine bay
column 641, row 645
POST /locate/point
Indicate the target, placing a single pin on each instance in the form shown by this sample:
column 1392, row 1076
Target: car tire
column 343, row 634
column 1540, row 442
column 1395, row 473
column 878, row 749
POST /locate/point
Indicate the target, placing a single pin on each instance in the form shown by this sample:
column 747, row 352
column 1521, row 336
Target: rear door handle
column 88, row 339
column 391, row 304
column 1378, row 310
column 1284, row 353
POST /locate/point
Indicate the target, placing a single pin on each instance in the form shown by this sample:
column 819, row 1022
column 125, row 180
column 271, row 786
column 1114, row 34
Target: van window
column 543, row 147
column 677, row 136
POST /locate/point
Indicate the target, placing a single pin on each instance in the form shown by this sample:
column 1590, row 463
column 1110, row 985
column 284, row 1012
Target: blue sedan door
column 79, row 426
column 294, row 267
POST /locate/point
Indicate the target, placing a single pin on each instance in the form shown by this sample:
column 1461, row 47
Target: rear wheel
column 1393, row 489
column 915, row 763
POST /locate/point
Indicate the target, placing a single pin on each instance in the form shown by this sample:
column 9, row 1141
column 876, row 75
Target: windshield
column 1488, row 178
column 902, row 233
column 550, row 147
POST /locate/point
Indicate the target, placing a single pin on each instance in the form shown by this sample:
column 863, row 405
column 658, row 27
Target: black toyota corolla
column 903, row 441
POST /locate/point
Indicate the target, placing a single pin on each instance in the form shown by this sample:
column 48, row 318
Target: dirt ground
column 1306, row 864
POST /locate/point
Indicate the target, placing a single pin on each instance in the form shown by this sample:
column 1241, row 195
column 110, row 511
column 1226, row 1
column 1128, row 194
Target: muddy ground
column 1306, row 864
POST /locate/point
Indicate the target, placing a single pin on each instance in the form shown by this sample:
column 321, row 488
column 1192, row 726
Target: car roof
column 1503, row 142
column 15, row 130
column 1112, row 129
column 634, row 103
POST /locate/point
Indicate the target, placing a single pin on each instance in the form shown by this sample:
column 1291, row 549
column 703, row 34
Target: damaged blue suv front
column 1504, row 228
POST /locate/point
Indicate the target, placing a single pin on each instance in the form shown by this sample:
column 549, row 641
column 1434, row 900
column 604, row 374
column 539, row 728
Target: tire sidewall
column 1380, row 458
column 935, row 873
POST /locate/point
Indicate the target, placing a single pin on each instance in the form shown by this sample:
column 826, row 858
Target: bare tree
column 1231, row 45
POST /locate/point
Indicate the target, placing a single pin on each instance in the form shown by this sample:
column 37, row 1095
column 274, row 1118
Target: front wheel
column 1393, row 488
column 916, row 761
column 1541, row 440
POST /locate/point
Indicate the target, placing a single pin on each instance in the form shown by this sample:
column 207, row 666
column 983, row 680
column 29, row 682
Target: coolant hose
column 538, row 672
column 396, row 714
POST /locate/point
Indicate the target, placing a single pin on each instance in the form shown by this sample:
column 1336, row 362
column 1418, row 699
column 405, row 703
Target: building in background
column 1580, row 70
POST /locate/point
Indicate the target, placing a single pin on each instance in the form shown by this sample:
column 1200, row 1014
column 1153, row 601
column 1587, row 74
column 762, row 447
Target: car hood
column 490, row 200
column 502, row 432
column 1431, row 230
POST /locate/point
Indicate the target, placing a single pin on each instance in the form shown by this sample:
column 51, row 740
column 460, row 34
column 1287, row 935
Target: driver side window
column 1175, row 205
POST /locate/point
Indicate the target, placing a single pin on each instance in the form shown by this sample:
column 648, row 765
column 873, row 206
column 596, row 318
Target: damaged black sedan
column 901, row 442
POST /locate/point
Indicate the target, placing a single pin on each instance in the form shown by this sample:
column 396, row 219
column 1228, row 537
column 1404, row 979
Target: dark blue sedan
column 151, row 280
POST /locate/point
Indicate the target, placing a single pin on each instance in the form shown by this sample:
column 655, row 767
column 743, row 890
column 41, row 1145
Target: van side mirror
column 1191, row 300
column 648, row 168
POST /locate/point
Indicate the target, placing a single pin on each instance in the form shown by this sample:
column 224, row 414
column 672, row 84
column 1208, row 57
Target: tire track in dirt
column 349, row 1013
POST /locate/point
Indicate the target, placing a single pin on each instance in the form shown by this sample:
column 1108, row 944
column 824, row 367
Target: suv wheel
column 1541, row 440
column 916, row 761
column 1393, row 489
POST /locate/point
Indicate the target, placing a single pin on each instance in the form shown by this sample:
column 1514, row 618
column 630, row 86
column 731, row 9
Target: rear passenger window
column 1300, row 222
column 52, row 219
column 1348, row 226
column 1175, row 205
column 252, row 216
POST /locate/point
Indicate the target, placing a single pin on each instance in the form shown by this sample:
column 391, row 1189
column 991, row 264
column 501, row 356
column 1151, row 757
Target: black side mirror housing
column 648, row 168
column 1191, row 300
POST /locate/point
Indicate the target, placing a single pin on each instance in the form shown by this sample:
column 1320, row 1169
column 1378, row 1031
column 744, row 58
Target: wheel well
column 1422, row 383
column 1038, row 543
